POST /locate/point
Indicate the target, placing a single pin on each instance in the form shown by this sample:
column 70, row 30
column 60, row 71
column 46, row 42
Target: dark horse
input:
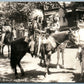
column 19, row 48
column 53, row 42
column 8, row 38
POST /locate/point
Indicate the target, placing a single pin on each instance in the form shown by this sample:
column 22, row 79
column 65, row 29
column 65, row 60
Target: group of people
column 53, row 22
column 34, row 27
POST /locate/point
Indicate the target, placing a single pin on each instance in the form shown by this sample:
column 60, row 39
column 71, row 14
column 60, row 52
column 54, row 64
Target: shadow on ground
column 2, row 56
column 30, row 76
column 55, row 66
column 35, row 76
column 50, row 65
column 77, row 78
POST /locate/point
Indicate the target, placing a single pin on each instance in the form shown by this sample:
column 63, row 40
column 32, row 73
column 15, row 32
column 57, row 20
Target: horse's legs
column 63, row 57
column 41, row 62
column 42, row 52
column 82, row 62
column 81, row 69
column 2, row 49
column 36, row 49
column 16, row 74
column 43, row 56
column 8, row 50
column 48, row 58
column 44, row 62
column 32, row 53
column 58, row 54
column 22, row 71
column 47, row 64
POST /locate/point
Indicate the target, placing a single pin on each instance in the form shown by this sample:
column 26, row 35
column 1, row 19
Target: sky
column 67, row 2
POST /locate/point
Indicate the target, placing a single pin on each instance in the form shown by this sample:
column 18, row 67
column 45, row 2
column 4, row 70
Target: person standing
column 21, row 30
column 14, row 30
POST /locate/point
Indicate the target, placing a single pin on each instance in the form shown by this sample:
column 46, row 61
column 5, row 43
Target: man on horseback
column 80, row 39
column 79, row 36
column 6, row 37
column 5, row 28
column 36, row 26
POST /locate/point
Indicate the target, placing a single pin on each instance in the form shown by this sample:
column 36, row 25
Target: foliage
column 13, row 9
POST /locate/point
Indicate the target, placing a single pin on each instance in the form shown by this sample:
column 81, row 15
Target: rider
column 53, row 25
column 56, row 24
column 37, row 28
column 5, row 28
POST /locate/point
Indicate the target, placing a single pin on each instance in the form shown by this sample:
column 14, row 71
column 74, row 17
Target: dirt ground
column 36, row 73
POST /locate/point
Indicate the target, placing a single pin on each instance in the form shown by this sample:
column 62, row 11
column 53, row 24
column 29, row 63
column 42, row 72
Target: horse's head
column 73, row 37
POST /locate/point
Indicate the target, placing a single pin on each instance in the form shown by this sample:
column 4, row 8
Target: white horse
column 79, row 40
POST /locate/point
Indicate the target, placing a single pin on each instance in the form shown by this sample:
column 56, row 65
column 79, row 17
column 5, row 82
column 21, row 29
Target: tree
column 15, row 8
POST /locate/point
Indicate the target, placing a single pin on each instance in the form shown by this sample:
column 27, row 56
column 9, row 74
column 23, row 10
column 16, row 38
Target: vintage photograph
column 41, row 42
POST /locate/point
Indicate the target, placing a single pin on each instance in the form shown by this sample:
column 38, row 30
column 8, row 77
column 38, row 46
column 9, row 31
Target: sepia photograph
column 41, row 42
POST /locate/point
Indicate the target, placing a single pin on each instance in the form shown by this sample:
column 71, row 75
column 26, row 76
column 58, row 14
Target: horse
column 8, row 35
column 19, row 48
column 79, row 42
column 53, row 42
column 7, row 38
